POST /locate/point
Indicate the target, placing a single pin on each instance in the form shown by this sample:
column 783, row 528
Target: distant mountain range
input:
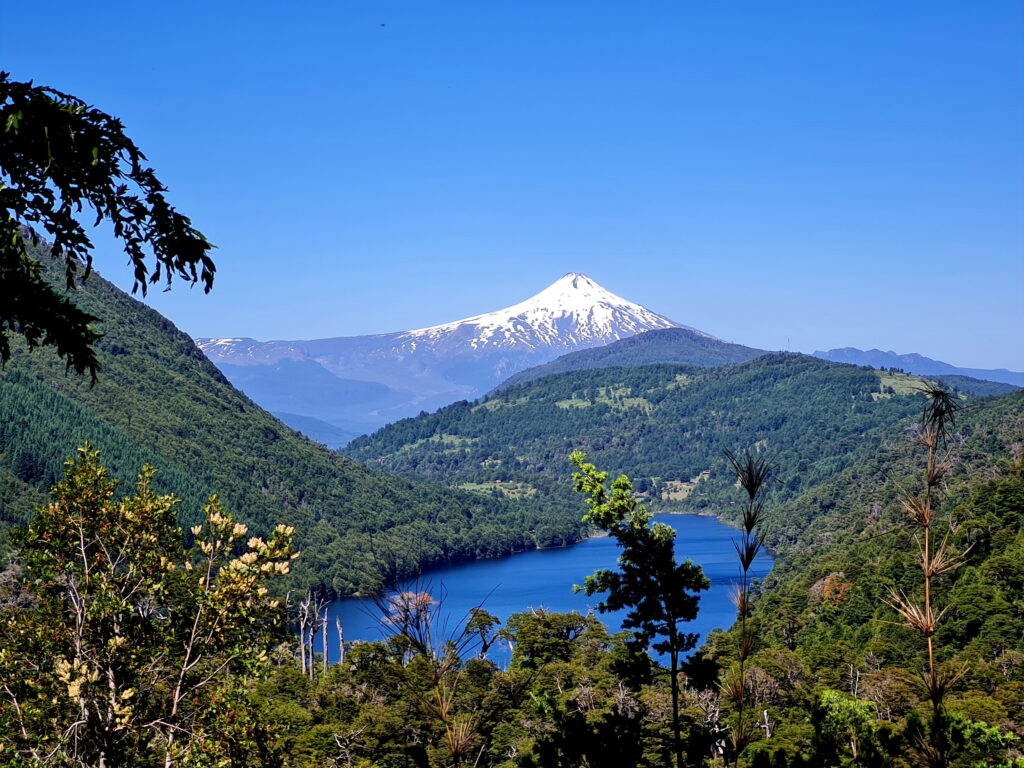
column 336, row 388
column 914, row 363
column 360, row 383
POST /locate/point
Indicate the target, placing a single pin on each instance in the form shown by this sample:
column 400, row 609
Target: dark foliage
column 58, row 157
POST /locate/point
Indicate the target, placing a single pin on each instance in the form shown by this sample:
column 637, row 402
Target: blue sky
column 802, row 173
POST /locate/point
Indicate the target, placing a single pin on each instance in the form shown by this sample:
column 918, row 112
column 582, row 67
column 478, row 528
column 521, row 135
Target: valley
column 329, row 438
column 474, row 505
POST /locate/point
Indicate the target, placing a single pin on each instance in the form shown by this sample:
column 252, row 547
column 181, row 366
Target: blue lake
column 544, row 579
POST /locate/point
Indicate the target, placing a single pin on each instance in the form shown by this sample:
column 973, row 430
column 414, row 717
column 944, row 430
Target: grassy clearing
column 618, row 398
column 494, row 405
column 446, row 441
column 508, row 488
column 893, row 384
column 678, row 490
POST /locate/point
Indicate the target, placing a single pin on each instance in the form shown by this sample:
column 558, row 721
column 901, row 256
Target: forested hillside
column 666, row 426
column 973, row 386
column 159, row 400
column 833, row 679
column 824, row 619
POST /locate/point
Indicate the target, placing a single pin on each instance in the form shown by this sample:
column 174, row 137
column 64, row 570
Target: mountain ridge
column 913, row 362
column 668, row 345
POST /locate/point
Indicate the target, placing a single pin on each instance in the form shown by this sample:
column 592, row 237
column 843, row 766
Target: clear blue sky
column 822, row 174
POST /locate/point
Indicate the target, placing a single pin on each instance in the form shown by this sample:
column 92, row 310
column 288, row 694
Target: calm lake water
column 545, row 578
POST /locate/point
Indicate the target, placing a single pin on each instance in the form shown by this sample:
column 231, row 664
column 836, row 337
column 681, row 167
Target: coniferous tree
column 660, row 593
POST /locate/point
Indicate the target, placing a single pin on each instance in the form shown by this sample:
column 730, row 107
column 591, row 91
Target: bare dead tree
column 341, row 639
column 304, row 619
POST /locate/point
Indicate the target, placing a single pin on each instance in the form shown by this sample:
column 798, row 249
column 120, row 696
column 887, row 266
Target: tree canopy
column 660, row 593
column 60, row 158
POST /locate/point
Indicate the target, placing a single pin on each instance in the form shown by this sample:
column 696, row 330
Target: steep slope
column 664, row 425
column 823, row 619
column 682, row 346
column 160, row 400
column 914, row 363
column 437, row 365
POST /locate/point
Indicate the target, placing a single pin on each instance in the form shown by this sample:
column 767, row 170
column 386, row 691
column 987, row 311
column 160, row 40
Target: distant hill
column 305, row 388
column 670, row 345
column 160, row 400
column 914, row 363
column 664, row 425
column 976, row 387
column 318, row 431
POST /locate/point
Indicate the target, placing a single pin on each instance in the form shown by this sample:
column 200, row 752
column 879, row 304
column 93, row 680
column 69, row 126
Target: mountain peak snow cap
column 572, row 312
column 576, row 283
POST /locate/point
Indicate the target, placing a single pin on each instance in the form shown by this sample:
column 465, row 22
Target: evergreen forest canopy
column 830, row 675
column 665, row 426
column 160, row 401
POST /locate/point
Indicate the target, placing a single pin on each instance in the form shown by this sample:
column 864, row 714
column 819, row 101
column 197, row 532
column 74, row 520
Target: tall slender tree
column 660, row 593
column 938, row 418
column 752, row 471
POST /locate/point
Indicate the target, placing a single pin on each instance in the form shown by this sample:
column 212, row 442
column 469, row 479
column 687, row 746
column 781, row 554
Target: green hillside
column 669, row 345
column 972, row 386
column 158, row 399
column 823, row 622
column 664, row 425
column 833, row 677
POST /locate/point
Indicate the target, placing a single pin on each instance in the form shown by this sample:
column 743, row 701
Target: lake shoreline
column 543, row 578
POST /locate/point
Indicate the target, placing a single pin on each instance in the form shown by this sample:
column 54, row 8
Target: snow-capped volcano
column 571, row 313
column 430, row 367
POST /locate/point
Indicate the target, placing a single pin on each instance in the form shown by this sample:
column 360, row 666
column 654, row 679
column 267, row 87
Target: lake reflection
column 545, row 578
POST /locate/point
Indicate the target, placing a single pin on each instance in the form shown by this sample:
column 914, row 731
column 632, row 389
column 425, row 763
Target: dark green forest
column 833, row 675
column 159, row 400
column 667, row 345
column 666, row 426
column 832, row 678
